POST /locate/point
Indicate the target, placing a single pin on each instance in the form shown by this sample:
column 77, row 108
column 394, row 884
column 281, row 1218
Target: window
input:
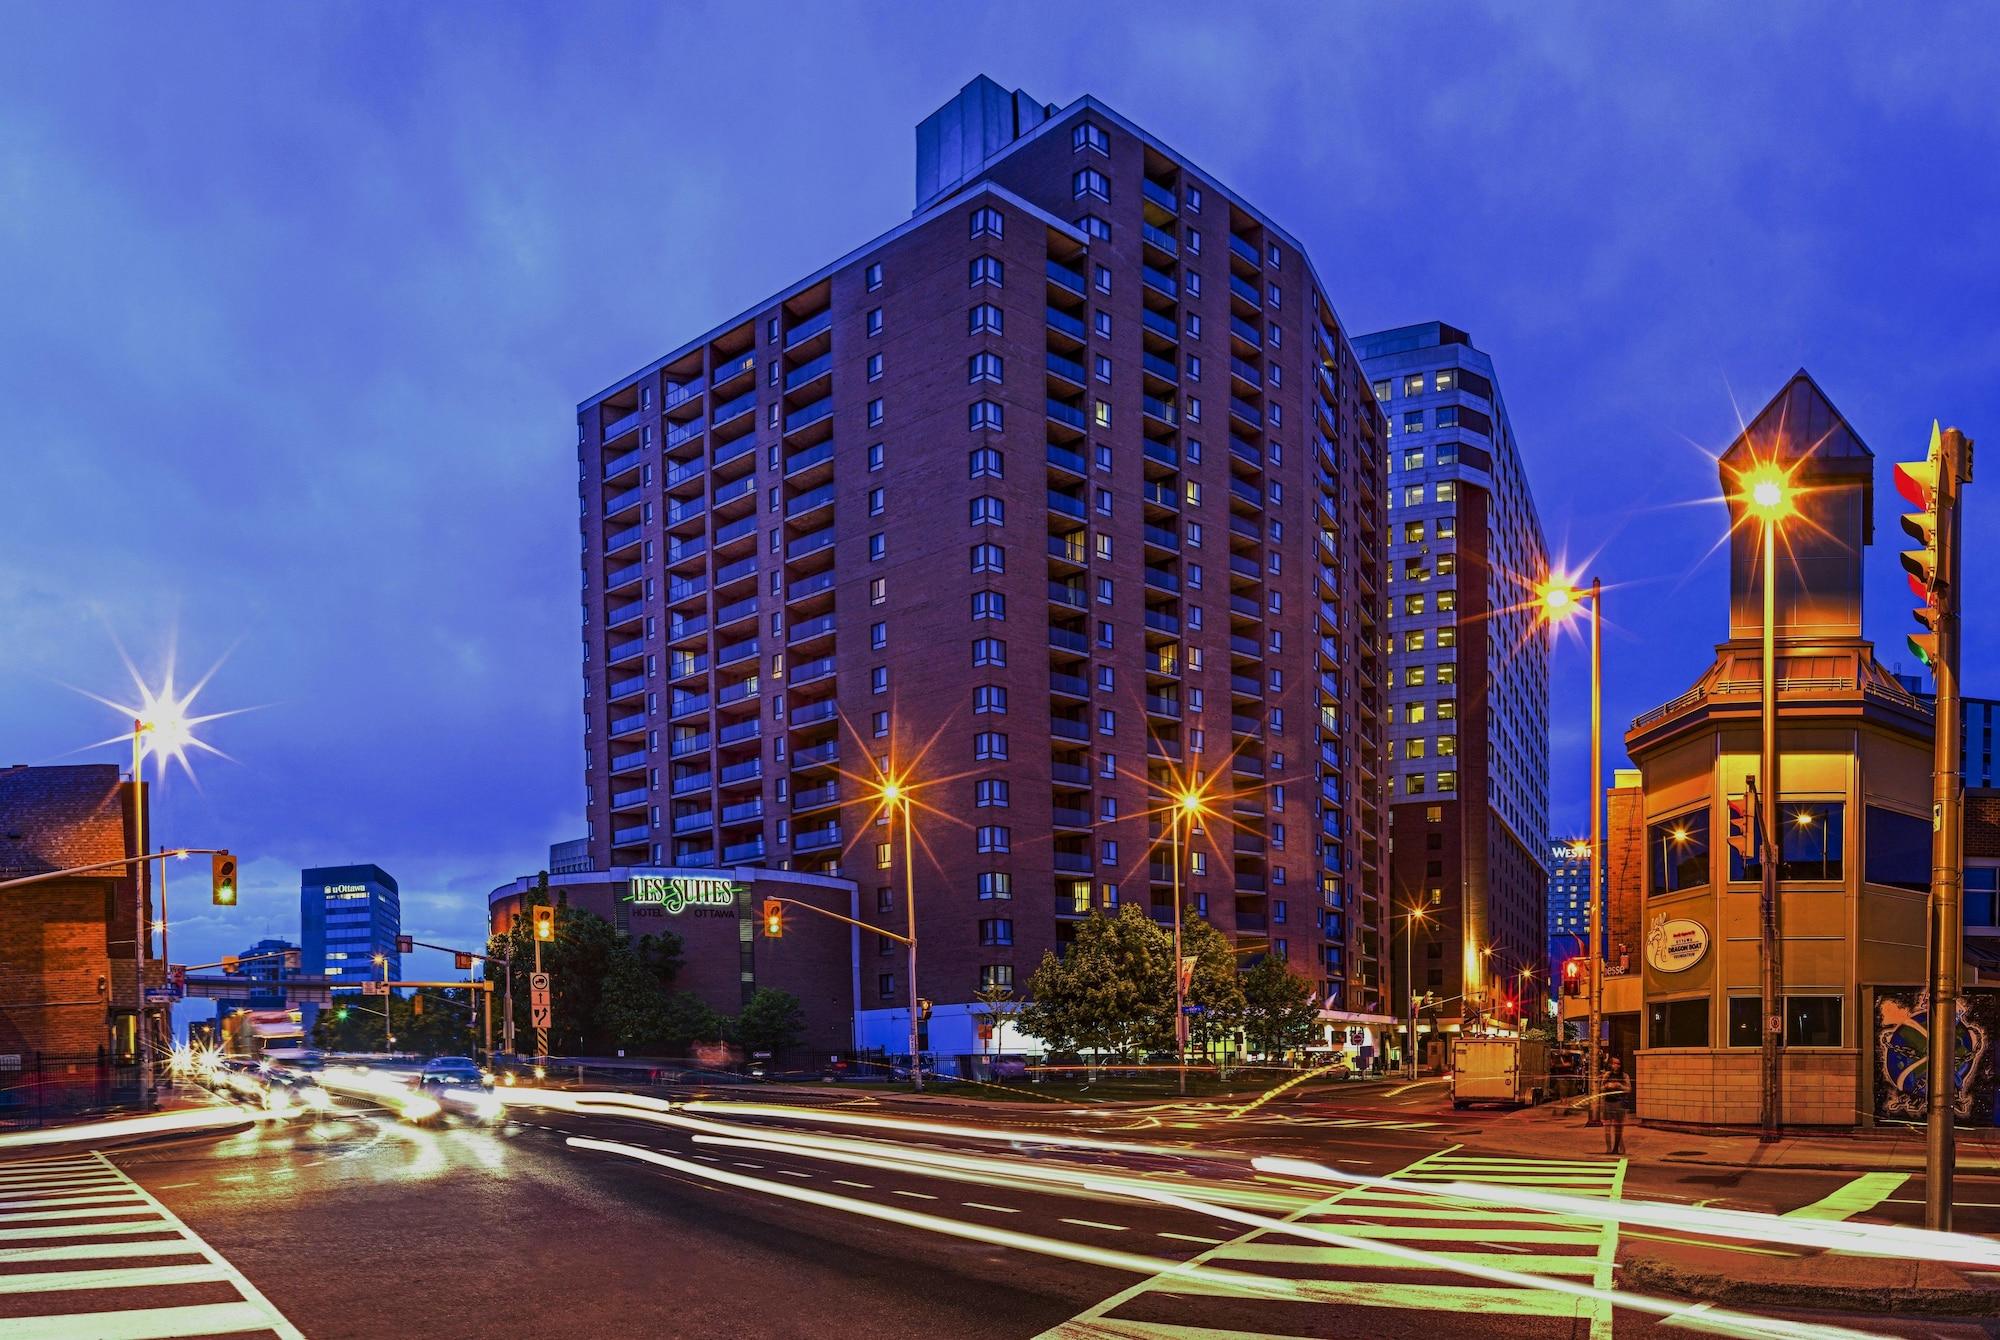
column 1095, row 226
column 874, row 367
column 1678, row 1023
column 1194, row 199
column 1090, row 182
column 993, row 837
column 988, row 510
column 1447, row 416
column 1103, row 323
column 884, row 855
column 995, row 884
column 989, row 651
column 996, row 931
column 875, row 456
column 885, row 898
column 878, row 547
column 1677, row 852
column 1982, row 883
column 878, row 635
column 1413, row 384
column 1447, row 672
column 1102, row 367
column 878, row 679
column 1194, row 241
column 873, row 275
column 878, row 590
column 1447, row 491
column 984, row 319
column 1102, row 278
column 1090, row 135
column 989, row 793
column 1381, row 389
column 1108, row 852
column 1444, row 380
column 983, row 367
column 1447, row 781
column 885, row 985
column 986, row 222
column 1413, row 421
column 989, row 698
column 989, row 605
column 982, row 414
column 988, row 558
column 1447, row 601
column 994, row 976
column 1413, row 532
column 875, row 321
column 877, row 501
column 986, row 463
column 989, row 744
column 880, row 724
column 1898, row 848
column 875, row 413
column 986, row 270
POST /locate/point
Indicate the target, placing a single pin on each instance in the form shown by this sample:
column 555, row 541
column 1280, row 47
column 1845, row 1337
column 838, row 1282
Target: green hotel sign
column 673, row 893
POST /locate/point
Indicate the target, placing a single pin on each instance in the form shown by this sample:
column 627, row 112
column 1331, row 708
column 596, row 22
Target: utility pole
column 1771, row 981
column 1594, row 1112
column 1935, row 570
column 910, row 922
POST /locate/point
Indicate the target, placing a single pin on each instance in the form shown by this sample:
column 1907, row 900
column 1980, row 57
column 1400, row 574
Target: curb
column 1965, row 1300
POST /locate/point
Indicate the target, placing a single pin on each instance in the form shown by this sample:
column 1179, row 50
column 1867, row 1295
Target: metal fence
column 41, row 1088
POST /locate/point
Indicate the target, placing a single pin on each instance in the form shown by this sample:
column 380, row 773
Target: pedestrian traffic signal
column 774, row 918
column 230, row 963
column 222, row 879
column 406, row 944
column 545, row 922
column 1573, row 977
column 462, row 961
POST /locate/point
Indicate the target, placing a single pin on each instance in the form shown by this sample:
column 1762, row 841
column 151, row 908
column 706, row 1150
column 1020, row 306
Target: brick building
column 1064, row 490
column 69, row 1018
column 1468, row 699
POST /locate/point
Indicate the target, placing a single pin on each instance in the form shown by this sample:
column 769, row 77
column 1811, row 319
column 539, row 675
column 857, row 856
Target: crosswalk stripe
column 65, row 1202
column 141, row 1277
column 83, row 1230
column 1459, row 1232
column 1862, row 1194
column 1301, row 1254
column 159, row 1323
column 95, row 1251
column 93, row 1212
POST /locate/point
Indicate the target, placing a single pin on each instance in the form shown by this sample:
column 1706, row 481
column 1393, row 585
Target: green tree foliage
column 772, row 1021
column 443, row 1029
column 993, row 1010
column 1110, row 994
column 606, row 991
column 688, row 1019
column 1215, row 987
column 1281, row 1009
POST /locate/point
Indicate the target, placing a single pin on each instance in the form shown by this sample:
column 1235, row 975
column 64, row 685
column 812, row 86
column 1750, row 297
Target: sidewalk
column 1559, row 1130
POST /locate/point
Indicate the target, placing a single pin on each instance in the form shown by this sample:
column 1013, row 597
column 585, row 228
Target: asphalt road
column 717, row 1220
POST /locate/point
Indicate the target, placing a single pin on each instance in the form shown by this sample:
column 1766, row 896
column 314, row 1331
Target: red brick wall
column 52, row 949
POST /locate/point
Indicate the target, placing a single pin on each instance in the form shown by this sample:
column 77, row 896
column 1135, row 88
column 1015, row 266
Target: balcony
column 816, row 755
column 626, row 687
column 808, row 630
column 1074, row 686
column 687, row 704
column 622, row 502
column 742, row 853
column 1067, row 506
column 1160, row 281
column 1069, row 640
column 1246, row 332
column 736, row 651
column 811, row 326
column 1066, row 368
column 1069, row 774
column 748, row 770
column 1160, row 409
column 734, row 409
column 1160, row 537
column 628, row 762
column 807, row 459
column 810, row 544
column 810, row 370
column 1161, row 495
column 742, row 487
column 699, row 821
column 1162, row 453
column 1249, row 372
column 1161, row 622
column 626, row 725
column 1159, row 706
column 630, row 650
column 1249, row 493
column 682, row 433
column 1065, row 459
column 816, row 797
column 680, row 551
column 738, row 731
column 814, row 713
column 1069, row 325
column 1068, row 548
column 1159, row 195
column 622, row 425
column 1069, row 816
column 809, row 415
column 1069, row 729
column 809, row 501
column 630, row 796
column 1160, row 238
column 806, row 587
column 735, row 610
column 735, row 571
column 1073, row 862
column 811, row 672
column 1163, row 368
column 625, row 614
column 743, row 811
column 1066, row 277
column 679, row 627
column 618, row 465
column 814, row 839
column 1161, row 580
column 689, row 782
column 1244, row 251
column 622, row 539
column 684, row 745
column 729, row 370
column 737, row 692
column 1164, row 326
column 1068, row 414
column 1246, row 411
column 1244, row 289
column 1063, row 593
column 677, row 396
column 1245, row 451
column 691, row 509
column 625, row 837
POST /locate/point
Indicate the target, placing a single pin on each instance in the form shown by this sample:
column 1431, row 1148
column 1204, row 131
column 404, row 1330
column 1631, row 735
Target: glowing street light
column 1188, row 807
column 1411, row 918
column 894, row 796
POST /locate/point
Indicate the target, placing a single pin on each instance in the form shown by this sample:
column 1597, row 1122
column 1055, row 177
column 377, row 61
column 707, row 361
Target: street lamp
column 1767, row 496
column 1560, row 598
column 894, row 797
column 388, row 1038
column 1411, row 917
column 1187, row 807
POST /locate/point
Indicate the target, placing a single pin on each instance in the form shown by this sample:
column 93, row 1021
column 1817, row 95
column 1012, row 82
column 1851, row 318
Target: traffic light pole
column 1954, row 465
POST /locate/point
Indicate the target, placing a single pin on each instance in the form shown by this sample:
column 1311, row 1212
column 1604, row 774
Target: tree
column 587, row 953
column 771, row 1021
column 1215, row 988
column 688, row 1019
column 1110, row 993
column 632, row 1004
column 1280, row 1008
column 992, row 1010
column 354, row 1024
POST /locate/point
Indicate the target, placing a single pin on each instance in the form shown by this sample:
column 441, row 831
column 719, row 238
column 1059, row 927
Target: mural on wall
column 1902, row 1049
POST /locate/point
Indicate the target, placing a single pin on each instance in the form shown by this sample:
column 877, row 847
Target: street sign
column 538, row 1014
column 539, row 983
column 1194, row 1009
column 374, row 988
column 160, row 995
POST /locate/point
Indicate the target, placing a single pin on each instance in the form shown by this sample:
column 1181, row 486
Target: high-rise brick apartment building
column 1468, row 667
column 1066, row 485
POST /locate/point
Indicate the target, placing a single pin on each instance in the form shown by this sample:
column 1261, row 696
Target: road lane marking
column 914, row 1195
column 92, row 1251
column 838, row 1181
column 790, row 1172
column 981, row 1205
column 1859, row 1196
column 1092, row 1223
column 116, row 1277
column 1191, row 1237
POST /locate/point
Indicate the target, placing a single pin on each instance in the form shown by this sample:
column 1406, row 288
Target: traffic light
column 1743, row 825
column 774, row 918
column 406, row 944
column 462, row 961
column 222, row 879
column 340, row 1014
column 417, row 1003
column 1917, row 481
column 545, row 922
column 923, row 1011
column 230, row 963
column 1573, row 977
column 292, row 960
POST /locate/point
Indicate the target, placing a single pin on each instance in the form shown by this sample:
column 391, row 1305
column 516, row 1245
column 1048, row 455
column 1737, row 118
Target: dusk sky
column 296, row 304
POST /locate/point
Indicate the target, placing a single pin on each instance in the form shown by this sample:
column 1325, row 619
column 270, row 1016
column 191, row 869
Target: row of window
column 1812, row 842
column 1810, row 1021
column 991, row 975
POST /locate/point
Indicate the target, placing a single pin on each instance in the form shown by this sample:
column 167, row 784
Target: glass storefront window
column 1678, row 1023
column 1982, row 897
column 1678, row 851
column 1812, row 834
column 1898, row 849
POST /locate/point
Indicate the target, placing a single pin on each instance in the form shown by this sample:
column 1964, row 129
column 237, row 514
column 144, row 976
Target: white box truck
column 1499, row 1070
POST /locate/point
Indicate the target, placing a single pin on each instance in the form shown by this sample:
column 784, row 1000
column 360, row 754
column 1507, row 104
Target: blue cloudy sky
column 296, row 303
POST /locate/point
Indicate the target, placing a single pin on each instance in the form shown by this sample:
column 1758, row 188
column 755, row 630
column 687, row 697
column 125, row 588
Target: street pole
column 1771, row 983
column 1180, row 990
column 1947, row 854
column 388, row 1036
column 141, row 934
column 1594, row 1115
column 910, row 921
column 542, row 1034
column 507, row 1024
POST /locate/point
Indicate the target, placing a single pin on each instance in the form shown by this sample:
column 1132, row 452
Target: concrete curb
column 1955, row 1300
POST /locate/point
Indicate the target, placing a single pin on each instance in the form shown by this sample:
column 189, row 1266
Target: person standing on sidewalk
column 1616, row 1096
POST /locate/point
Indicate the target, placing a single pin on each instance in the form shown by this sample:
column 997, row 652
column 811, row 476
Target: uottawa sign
column 673, row 892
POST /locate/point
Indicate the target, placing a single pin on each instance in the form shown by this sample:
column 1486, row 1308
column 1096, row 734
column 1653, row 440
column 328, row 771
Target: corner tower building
column 1062, row 492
